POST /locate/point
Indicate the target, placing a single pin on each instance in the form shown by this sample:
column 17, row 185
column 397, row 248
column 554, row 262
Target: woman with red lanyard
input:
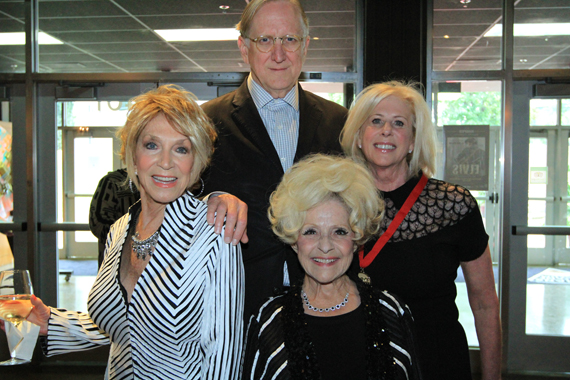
column 429, row 229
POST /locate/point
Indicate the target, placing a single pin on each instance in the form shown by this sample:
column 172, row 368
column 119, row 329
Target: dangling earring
column 202, row 189
column 131, row 182
column 410, row 151
column 359, row 146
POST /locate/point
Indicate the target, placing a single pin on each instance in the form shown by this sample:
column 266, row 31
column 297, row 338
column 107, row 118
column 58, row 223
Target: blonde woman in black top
column 330, row 326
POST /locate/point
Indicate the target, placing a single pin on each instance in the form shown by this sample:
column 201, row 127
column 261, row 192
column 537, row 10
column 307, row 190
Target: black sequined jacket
column 277, row 335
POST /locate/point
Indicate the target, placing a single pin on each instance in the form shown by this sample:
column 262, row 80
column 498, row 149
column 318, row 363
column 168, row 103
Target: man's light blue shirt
column 281, row 119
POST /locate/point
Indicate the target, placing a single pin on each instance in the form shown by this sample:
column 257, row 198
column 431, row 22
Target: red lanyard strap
column 412, row 198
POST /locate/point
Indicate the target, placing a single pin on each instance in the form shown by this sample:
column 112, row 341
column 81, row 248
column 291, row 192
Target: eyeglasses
column 290, row 43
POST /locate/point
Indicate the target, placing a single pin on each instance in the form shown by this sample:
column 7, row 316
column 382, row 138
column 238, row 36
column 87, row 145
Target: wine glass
column 15, row 305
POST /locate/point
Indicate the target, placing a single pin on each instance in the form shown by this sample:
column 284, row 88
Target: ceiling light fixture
column 19, row 38
column 204, row 34
column 532, row 30
column 446, row 36
column 224, row 7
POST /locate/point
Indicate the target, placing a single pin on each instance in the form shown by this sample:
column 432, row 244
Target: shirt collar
column 261, row 97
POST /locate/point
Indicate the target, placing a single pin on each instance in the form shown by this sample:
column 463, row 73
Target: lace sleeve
column 442, row 207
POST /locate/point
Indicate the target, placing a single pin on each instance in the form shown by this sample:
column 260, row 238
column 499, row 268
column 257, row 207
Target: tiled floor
column 547, row 311
column 73, row 294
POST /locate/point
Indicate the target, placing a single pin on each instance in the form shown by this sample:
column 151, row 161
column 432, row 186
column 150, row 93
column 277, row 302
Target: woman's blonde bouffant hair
column 317, row 179
column 184, row 115
column 425, row 138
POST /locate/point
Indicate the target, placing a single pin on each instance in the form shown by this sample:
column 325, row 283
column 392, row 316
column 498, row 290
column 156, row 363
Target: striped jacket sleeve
column 222, row 329
column 251, row 352
column 70, row 331
column 400, row 327
column 265, row 355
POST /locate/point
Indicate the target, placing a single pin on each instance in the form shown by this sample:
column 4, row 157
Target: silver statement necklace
column 144, row 247
column 326, row 310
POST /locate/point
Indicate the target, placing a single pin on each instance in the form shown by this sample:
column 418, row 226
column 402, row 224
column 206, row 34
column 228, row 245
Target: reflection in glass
column 467, row 35
column 12, row 57
column 541, row 33
column 104, row 37
column 459, row 35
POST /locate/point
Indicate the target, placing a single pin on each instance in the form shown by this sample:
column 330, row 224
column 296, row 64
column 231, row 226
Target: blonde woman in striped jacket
column 169, row 295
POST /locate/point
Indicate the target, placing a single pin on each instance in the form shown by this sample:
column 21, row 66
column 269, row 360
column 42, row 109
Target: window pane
column 568, row 194
column 98, row 36
column 469, row 103
column 12, row 45
column 95, row 114
column 330, row 91
column 460, row 41
column 82, row 216
column 543, row 112
column 93, row 159
column 565, row 120
column 537, row 187
column 541, row 35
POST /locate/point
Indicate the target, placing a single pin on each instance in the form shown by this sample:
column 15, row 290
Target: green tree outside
column 472, row 108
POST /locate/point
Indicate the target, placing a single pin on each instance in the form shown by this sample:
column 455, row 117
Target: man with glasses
column 265, row 126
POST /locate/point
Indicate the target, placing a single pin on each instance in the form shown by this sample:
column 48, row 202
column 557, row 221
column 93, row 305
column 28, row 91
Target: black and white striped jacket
column 266, row 355
column 185, row 318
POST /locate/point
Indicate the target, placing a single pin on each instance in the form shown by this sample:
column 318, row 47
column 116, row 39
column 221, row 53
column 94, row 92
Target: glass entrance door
column 89, row 156
column 538, row 278
column 548, row 288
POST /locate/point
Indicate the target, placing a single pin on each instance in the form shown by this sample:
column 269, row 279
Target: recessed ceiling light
column 532, row 30
column 224, row 7
column 446, row 36
column 204, row 34
column 523, row 60
column 464, row 1
column 314, row 38
column 19, row 38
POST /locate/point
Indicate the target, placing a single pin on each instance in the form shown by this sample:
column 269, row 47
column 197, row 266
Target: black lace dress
column 419, row 264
